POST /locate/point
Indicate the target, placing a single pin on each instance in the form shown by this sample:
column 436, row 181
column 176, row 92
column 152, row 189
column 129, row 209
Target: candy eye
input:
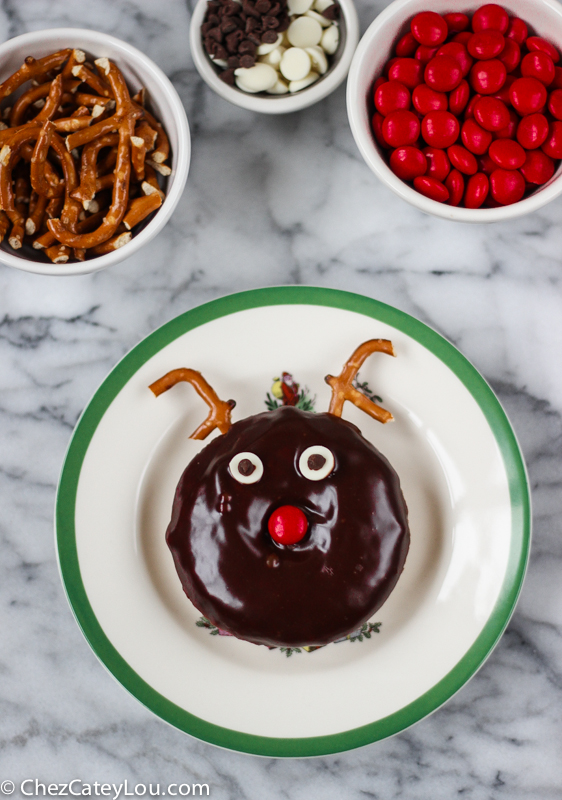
column 246, row 468
column 316, row 462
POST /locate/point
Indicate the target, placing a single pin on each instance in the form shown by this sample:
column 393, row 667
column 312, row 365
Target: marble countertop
column 294, row 203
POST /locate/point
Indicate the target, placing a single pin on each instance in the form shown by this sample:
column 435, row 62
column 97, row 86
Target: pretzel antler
column 219, row 415
column 342, row 386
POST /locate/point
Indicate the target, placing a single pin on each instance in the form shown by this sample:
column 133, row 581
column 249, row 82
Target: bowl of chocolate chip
column 273, row 56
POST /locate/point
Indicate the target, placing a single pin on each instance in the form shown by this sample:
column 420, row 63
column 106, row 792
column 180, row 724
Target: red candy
column 475, row 138
column 488, row 77
column 429, row 28
column 462, row 159
column 485, row 44
column 538, row 65
column 553, row 144
column 490, row 16
column 443, row 73
column 456, row 22
column 537, row 43
column 440, row 128
column 532, row 131
column 476, row 190
column 400, row 128
column 287, row 525
column 408, row 162
column 391, row 96
column 432, row 188
column 491, row 114
column 517, row 30
column 459, row 52
column 458, row 98
column 455, row 186
column 406, row 70
column 507, row 186
column 407, row 46
column 527, row 95
column 538, row 167
column 486, row 99
column 555, row 103
column 426, row 99
column 507, row 154
column 439, row 165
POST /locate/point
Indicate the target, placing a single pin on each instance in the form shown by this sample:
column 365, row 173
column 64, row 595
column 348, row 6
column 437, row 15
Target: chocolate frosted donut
column 289, row 476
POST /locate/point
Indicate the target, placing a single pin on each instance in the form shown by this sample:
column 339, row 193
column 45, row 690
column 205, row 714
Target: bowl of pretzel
column 94, row 151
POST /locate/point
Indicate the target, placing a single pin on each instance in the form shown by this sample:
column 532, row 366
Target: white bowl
column 286, row 103
column 544, row 17
column 138, row 71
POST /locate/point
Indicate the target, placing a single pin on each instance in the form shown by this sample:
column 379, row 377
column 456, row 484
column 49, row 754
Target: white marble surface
column 273, row 201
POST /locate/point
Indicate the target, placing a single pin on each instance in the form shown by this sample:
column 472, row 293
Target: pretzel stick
column 140, row 208
column 74, row 123
column 33, row 68
column 52, row 103
column 94, row 81
column 150, row 183
column 342, row 386
column 119, row 199
column 54, row 207
column 37, row 170
column 138, row 153
column 147, row 134
column 87, row 188
column 58, row 253
column 219, row 415
column 17, row 218
column 35, row 218
column 112, row 244
column 89, row 100
column 162, row 149
column 4, row 225
column 76, row 57
column 9, row 157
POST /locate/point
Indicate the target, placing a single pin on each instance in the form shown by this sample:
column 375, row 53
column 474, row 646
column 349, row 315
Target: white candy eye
column 316, row 462
column 246, row 468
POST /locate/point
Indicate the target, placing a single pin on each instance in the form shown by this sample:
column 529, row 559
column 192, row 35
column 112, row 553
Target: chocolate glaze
column 317, row 590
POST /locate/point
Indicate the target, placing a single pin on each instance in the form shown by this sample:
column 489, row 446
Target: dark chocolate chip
column 246, row 47
column 233, row 40
column 251, row 23
column 275, row 9
column 284, row 23
column 332, row 12
column 249, row 9
column 227, row 25
column 233, row 62
column 220, row 52
column 247, row 61
column 232, row 9
column 245, row 467
column 263, row 6
column 316, row 462
column 270, row 23
column 269, row 37
column 213, row 20
column 227, row 76
column 216, row 34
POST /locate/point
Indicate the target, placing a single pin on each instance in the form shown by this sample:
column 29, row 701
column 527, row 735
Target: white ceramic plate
column 462, row 475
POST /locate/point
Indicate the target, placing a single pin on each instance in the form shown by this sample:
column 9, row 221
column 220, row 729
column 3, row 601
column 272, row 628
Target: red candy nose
column 287, row 525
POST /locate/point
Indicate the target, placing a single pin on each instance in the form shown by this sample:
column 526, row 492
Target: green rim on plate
column 346, row 740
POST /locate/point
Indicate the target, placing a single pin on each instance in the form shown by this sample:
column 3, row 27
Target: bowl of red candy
column 460, row 111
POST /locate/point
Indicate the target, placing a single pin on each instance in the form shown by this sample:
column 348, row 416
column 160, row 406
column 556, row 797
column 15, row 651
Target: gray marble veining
column 273, row 201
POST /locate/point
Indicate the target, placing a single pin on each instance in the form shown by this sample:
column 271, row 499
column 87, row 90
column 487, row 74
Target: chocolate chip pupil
column 245, row 467
column 316, row 461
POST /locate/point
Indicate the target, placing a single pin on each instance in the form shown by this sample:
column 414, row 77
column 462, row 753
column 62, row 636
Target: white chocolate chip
column 330, row 39
column 296, row 86
column 322, row 21
column 298, row 6
column 304, row 32
column 219, row 62
column 273, row 58
column 295, row 64
column 258, row 78
column 279, row 88
column 318, row 58
column 264, row 49
column 322, row 5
